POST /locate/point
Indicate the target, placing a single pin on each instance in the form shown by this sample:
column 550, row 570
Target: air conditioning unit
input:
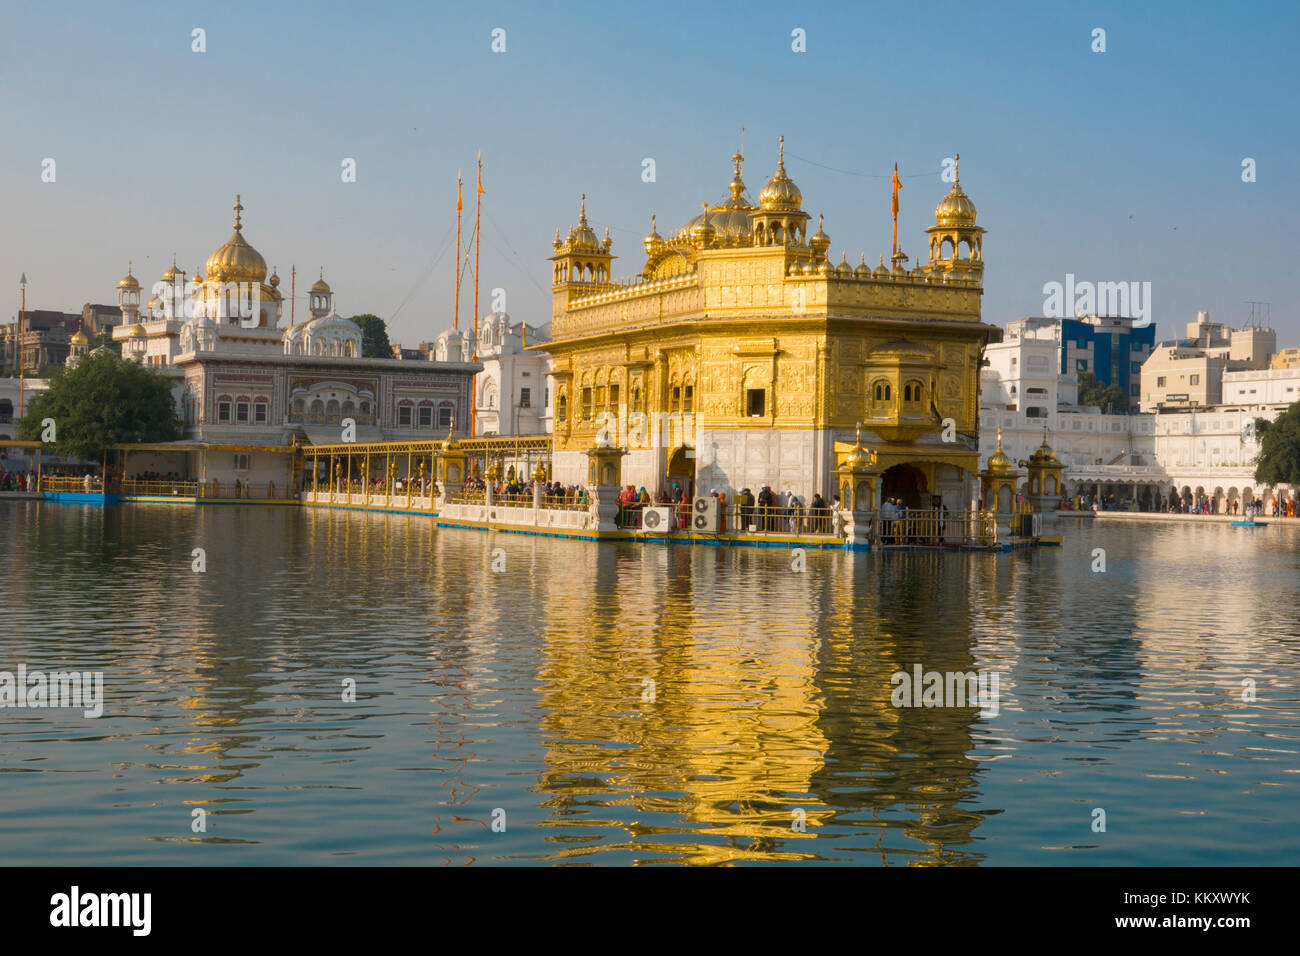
column 657, row 520
column 704, row 515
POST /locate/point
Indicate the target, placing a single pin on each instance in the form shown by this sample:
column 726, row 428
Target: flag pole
column 897, row 184
column 293, row 294
column 478, row 203
column 456, row 313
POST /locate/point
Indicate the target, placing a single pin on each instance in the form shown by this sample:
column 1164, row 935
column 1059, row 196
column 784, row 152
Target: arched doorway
column 681, row 471
column 906, row 482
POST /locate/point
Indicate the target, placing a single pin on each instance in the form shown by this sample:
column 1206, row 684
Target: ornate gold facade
column 741, row 325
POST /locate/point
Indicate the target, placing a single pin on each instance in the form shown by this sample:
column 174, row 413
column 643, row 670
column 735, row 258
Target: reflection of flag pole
column 894, row 206
column 456, row 314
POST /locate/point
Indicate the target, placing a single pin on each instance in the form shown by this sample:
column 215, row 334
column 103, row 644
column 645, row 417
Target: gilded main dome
column 236, row 260
column 955, row 209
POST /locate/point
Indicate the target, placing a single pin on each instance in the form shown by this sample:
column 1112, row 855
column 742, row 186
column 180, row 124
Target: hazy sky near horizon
column 1117, row 166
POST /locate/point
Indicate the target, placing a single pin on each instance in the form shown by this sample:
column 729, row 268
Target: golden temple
column 742, row 355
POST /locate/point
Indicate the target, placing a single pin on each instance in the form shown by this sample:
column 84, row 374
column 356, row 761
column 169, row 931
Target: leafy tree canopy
column 374, row 336
column 1279, row 449
column 1106, row 397
column 104, row 401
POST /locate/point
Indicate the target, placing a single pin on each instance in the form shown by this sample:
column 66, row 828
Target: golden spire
column 239, row 208
column 582, row 211
column 956, row 168
column 780, row 162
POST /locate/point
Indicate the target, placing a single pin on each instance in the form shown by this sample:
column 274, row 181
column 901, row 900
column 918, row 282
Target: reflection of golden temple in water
column 752, row 719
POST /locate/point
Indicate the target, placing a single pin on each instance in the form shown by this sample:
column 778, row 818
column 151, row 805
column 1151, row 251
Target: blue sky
column 1115, row 166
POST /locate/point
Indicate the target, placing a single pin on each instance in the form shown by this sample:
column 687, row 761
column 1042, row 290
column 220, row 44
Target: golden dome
column 154, row 304
column 80, row 338
column 197, row 278
column 999, row 463
column 274, row 280
column 844, row 270
column 1044, row 455
column 582, row 235
column 881, row 272
column 653, row 242
column 320, row 285
column 863, row 271
column 703, row 231
column 820, row 242
column 859, row 458
column 780, row 191
column 128, row 281
column 138, row 331
column 172, row 272
column 236, row 260
column 955, row 209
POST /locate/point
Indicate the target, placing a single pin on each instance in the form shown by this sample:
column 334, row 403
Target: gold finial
column 451, row 426
column 128, row 268
column 956, row 169
column 999, row 439
column 859, row 434
column 322, row 273
column 582, row 210
column 821, row 219
column 239, row 208
column 780, row 163
column 653, row 227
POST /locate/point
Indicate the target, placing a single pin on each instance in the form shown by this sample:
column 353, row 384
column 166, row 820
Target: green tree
column 1106, row 397
column 1278, row 461
column 105, row 340
column 374, row 336
column 105, row 400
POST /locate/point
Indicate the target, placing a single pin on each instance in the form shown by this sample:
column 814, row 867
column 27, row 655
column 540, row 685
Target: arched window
column 912, row 393
column 317, row 413
column 332, row 412
column 562, row 408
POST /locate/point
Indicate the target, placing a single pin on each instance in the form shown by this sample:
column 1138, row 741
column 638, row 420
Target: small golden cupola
column 653, row 242
column 780, row 219
column 1045, row 473
column 703, row 232
column 820, row 242
column 956, row 242
column 998, row 482
column 582, row 258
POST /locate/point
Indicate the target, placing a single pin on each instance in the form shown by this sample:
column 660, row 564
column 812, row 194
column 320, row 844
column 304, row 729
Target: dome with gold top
column 79, row 338
column 780, row 191
column 732, row 218
column 129, row 281
column 1044, row 455
column 236, row 260
column 999, row 463
column 582, row 236
column 955, row 209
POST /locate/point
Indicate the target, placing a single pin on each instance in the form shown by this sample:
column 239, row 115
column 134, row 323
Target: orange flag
column 897, row 186
column 459, row 205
